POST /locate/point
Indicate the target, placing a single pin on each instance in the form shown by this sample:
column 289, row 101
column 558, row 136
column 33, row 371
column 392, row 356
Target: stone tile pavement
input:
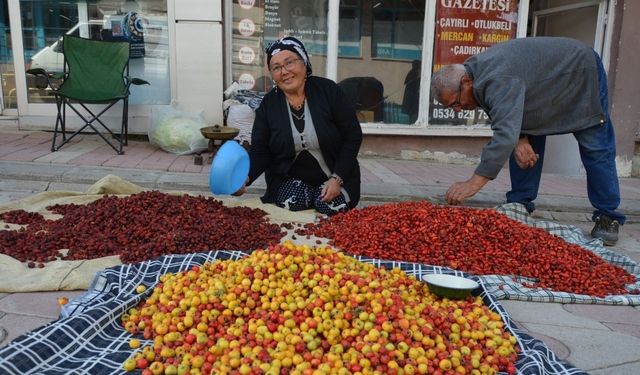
column 598, row 339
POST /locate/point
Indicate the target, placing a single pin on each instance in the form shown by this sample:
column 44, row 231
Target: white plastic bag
column 241, row 116
column 177, row 131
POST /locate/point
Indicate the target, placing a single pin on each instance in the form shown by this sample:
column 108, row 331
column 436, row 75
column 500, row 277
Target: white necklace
column 298, row 117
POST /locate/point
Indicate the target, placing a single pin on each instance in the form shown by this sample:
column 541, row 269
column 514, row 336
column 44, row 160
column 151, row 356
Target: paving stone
column 382, row 172
column 17, row 325
column 627, row 329
column 64, row 186
column 606, row 314
column 68, row 152
column 588, row 346
column 98, row 156
column 560, row 349
column 3, row 333
column 32, row 171
column 13, row 196
column 184, row 181
column 552, row 314
column 632, row 368
column 92, row 174
column 23, row 185
column 572, row 217
column 37, row 304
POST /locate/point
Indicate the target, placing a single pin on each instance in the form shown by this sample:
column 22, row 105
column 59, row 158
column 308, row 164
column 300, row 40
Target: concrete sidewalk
column 597, row 339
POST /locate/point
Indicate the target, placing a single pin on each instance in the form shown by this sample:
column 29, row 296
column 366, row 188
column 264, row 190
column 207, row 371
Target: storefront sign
column 465, row 28
column 246, row 27
column 246, row 55
column 260, row 22
column 247, row 81
column 246, row 4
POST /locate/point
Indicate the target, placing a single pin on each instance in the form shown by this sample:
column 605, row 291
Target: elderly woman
column 305, row 137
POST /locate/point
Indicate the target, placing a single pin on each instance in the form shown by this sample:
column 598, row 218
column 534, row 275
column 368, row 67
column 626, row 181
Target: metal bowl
column 453, row 287
column 218, row 132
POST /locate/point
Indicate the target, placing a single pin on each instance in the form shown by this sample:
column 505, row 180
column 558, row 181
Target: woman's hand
column 242, row 190
column 330, row 190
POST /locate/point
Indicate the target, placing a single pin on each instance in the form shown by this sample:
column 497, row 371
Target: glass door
column 34, row 41
column 141, row 23
column 581, row 20
column 7, row 74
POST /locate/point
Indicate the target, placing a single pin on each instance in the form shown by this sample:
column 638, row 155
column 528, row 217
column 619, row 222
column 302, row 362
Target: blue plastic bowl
column 229, row 168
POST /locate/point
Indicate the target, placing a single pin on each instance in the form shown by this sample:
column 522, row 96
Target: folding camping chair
column 95, row 72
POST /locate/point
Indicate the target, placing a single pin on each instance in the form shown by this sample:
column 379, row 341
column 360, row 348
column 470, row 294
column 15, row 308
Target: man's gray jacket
column 533, row 86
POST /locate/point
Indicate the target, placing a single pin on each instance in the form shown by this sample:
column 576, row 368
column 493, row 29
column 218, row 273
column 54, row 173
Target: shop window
column 142, row 23
column 384, row 83
column 7, row 73
column 258, row 23
column 349, row 44
column 397, row 29
column 378, row 60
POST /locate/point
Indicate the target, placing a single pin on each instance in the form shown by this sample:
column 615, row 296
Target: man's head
column 452, row 87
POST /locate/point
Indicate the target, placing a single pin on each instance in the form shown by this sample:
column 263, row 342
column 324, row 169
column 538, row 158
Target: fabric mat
column 505, row 287
column 90, row 340
column 77, row 275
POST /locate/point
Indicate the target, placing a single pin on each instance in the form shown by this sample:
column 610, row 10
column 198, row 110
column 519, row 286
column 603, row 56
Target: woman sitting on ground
column 305, row 137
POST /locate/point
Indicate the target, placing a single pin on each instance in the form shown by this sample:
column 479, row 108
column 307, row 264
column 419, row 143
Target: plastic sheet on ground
column 91, row 340
column 505, row 287
column 77, row 275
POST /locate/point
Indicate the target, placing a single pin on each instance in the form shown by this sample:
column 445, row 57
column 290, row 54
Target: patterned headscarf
column 292, row 44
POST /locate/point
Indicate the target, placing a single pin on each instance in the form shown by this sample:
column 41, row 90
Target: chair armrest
column 136, row 81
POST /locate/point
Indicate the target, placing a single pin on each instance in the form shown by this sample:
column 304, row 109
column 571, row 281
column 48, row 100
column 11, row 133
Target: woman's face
column 288, row 71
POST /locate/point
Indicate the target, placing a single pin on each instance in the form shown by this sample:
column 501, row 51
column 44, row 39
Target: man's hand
column 330, row 190
column 524, row 154
column 460, row 191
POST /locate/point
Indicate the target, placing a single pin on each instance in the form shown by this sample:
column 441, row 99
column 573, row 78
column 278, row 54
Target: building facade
column 382, row 53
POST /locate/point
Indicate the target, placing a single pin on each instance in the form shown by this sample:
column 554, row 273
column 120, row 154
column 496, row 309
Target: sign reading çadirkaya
column 464, row 28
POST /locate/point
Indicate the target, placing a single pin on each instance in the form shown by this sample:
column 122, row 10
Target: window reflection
column 7, row 74
column 384, row 81
column 379, row 48
column 142, row 23
column 397, row 29
column 256, row 24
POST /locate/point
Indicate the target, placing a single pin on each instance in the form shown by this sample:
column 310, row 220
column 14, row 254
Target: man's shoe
column 606, row 229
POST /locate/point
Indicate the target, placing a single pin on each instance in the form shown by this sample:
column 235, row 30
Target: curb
column 370, row 193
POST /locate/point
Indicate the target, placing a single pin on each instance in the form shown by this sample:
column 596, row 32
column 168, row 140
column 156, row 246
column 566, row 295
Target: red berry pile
column 479, row 241
column 21, row 217
column 138, row 227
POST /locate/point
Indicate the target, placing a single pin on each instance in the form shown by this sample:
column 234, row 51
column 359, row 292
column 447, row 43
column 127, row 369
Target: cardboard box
column 365, row 116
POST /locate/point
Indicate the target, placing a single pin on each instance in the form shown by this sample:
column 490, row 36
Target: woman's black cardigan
column 337, row 127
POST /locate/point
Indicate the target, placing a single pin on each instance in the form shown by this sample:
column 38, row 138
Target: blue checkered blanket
column 505, row 287
column 89, row 338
